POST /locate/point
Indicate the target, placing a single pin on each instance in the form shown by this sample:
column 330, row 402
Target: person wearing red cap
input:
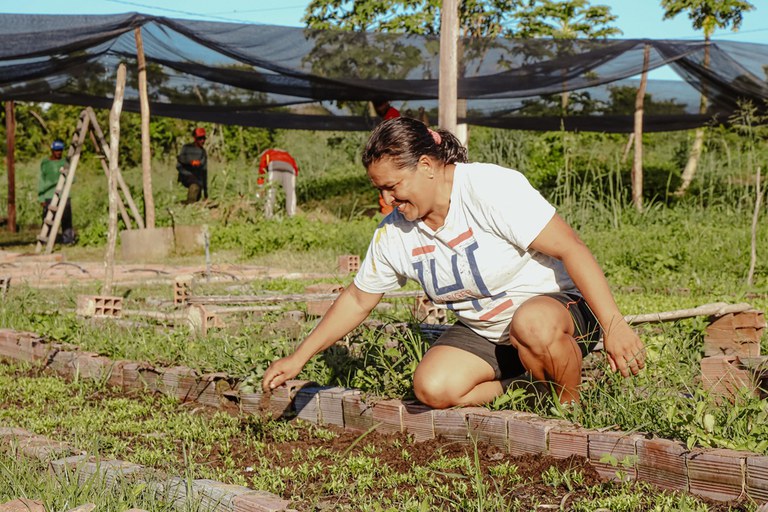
column 192, row 164
column 280, row 168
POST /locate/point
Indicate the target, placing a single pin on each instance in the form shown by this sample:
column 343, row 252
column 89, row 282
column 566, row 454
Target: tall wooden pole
column 114, row 150
column 448, row 81
column 10, row 162
column 637, row 163
column 146, row 155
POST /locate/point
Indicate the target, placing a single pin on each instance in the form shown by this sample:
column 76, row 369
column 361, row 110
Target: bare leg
column 542, row 332
column 449, row 376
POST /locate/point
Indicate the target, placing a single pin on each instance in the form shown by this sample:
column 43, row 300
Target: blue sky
column 636, row 18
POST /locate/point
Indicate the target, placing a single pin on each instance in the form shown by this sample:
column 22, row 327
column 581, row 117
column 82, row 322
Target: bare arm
column 625, row 350
column 347, row 312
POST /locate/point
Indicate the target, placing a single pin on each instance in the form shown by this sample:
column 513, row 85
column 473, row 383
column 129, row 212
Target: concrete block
column 189, row 239
column 146, row 245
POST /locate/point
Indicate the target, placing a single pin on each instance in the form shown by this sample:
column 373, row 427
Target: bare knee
column 434, row 392
column 535, row 330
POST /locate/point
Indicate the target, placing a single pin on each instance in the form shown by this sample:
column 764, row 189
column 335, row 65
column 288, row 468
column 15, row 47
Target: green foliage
column 708, row 15
column 569, row 19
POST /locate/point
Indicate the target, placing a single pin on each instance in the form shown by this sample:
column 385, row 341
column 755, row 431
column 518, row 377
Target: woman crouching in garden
column 483, row 243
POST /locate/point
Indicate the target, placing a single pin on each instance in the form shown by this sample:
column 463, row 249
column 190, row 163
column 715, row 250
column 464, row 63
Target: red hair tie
column 435, row 136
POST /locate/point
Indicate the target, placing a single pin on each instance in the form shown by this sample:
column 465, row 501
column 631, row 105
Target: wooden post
column 637, row 163
column 114, row 150
column 146, row 155
column 448, row 80
column 10, row 161
column 755, row 217
column 103, row 147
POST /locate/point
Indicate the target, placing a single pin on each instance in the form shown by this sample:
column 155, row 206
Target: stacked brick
column 732, row 362
column 715, row 473
column 319, row 307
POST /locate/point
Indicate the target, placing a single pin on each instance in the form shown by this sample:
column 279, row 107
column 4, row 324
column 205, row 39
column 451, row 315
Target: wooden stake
column 105, row 167
column 10, row 161
column 637, row 164
column 146, row 155
column 114, row 150
column 447, row 82
column 714, row 309
column 120, row 181
column 755, row 216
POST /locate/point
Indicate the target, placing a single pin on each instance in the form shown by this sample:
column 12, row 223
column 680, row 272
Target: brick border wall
column 714, row 473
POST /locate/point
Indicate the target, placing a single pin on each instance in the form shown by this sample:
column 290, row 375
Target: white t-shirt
column 478, row 263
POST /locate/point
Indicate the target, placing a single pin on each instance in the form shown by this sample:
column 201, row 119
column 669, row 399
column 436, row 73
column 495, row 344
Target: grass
column 676, row 254
column 314, row 467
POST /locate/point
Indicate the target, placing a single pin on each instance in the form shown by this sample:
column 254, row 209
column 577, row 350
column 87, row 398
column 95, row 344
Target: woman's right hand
column 280, row 371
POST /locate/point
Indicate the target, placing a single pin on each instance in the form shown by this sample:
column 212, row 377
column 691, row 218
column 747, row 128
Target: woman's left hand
column 626, row 352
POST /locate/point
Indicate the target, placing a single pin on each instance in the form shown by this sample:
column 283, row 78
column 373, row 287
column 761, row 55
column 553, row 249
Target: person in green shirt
column 192, row 164
column 50, row 169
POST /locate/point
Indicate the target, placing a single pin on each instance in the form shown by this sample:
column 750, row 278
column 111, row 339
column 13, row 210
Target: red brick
column 613, row 454
column 418, row 420
column 718, row 474
column 662, row 462
column 389, row 414
column 757, row 478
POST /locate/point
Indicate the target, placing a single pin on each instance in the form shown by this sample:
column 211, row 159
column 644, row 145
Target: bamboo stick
column 296, row 297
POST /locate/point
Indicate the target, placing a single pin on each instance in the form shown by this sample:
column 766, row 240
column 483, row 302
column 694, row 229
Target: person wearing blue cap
column 50, row 169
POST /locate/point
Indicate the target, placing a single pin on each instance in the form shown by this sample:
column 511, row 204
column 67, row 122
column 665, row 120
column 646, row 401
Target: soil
column 528, row 490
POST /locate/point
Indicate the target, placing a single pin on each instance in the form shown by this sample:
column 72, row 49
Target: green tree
column 705, row 15
column 476, row 17
column 569, row 19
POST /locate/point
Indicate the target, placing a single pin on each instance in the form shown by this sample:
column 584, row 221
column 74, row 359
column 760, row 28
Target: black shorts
column 504, row 359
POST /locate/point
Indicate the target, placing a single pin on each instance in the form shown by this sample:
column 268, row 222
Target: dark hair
column 404, row 140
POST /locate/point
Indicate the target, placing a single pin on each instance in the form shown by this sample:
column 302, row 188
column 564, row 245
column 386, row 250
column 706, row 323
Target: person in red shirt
column 280, row 168
column 386, row 112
